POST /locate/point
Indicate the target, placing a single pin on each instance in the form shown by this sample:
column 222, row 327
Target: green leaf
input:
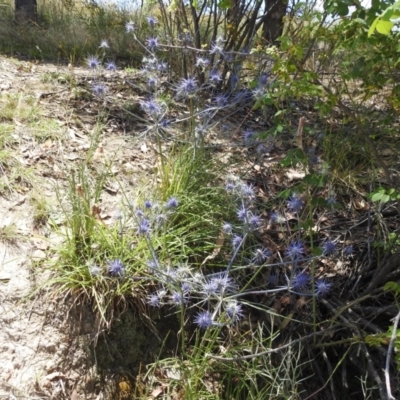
column 224, row 4
column 383, row 197
column 384, row 27
column 393, row 286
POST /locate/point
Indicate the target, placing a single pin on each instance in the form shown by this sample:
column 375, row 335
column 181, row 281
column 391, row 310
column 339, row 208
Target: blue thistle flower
column 130, row 27
column 234, row 310
column 230, row 187
column 154, row 300
column 258, row 93
column 322, row 287
column 99, row 90
column 139, row 213
column 209, row 289
column 153, row 108
column 255, row 221
column 186, row 87
column 152, row 21
column 236, row 241
column 277, row 218
column 295, row 250
column 215, row 77
column 247, row 190
column 152, row 82
column 328, row 248
column 177, row 298
column 348, row 250
column 227, row 228
column 160, row 220
column 223, row 282
column 186, row 288
column 152, row 43
column 172, row 203
column 94, row 270
column 202, row 62
column 116, row 267
column 93, row 62
column 248, row 136
column 204, row 319
column 263, row 79
column 110, row 66
column 295, row 203
column 162, row 66
column 260, row 256
column 221, row 100
column 144, row 227
column 148, row 204
column 331, row 200
column 242, row 213
column 300, row 281
column 217, row 48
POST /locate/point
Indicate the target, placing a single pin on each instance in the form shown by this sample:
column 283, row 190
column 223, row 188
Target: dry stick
column 388, row 355
column 374, row 373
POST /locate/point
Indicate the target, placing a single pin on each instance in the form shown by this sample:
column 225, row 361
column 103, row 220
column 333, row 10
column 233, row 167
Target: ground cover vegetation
column 260, row 251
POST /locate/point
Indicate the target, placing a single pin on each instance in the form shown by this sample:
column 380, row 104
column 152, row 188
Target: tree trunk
column 275, row 10
column 26, row 10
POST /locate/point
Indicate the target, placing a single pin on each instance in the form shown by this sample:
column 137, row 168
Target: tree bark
column 26, row 10
column 275, row 11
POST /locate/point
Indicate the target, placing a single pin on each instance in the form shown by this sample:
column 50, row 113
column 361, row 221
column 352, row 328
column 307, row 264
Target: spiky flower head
column 93, row 62
column 247, row 190
column 154, row 300
column 255, row 221
column 348, row 250
column 277, row 218
column 186, row 87
column 248, row 136
column 178, row 298
column 300, row 281
column 144, row 226
column 221, row 100
column 322, row 287
column 153, row 108
column 204, row 319
column 234, row 310
column 152, row 21
column 295, row 203
column 227, row 228
column 295, row 250
column 202, row 62
column 148, row 204
column 223, row 283
column 217, row 47
column 94, row 270
column 116, row 267
column 130, row 27
column 152, row 43
column 236, row 241
column 110, row 66
column 263, row 79
column 242, row 213
column 260, row 256
column 209, row 288
column 215, row 76
column 172, row 203
column 328, row 248
column 99, row 90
